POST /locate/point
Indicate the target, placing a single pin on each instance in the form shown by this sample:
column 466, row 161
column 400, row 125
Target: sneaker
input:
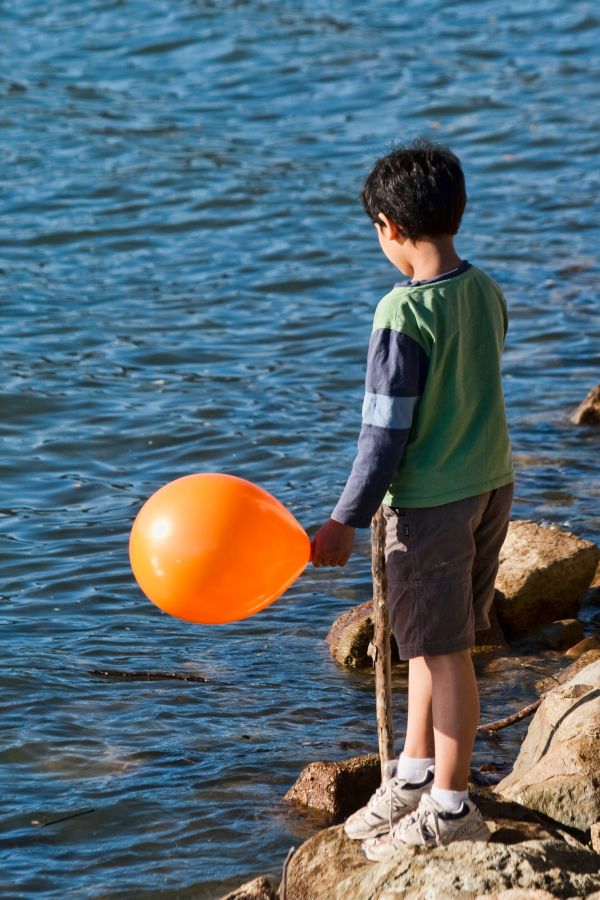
column 430, row 825
column 393, row 800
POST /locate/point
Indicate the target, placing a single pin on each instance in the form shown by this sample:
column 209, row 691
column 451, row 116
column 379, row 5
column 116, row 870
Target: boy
column 434, row 447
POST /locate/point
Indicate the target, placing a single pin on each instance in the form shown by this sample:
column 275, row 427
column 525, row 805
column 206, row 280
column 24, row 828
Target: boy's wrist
column 341, row 524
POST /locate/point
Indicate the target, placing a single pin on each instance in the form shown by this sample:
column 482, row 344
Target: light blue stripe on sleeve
column 388, row 412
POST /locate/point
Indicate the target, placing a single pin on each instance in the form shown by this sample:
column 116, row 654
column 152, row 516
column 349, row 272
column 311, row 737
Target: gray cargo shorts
column 441, row 565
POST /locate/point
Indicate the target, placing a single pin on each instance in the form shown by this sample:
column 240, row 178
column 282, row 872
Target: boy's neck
column 430, row 257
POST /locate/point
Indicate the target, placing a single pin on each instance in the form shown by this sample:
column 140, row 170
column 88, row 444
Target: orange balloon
column 215, row 548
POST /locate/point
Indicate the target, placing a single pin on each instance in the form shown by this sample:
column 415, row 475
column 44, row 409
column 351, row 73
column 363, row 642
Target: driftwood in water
column 147, row 676
column 43, row 823
column 381, row 649
column 510, row 720
column 559, row 680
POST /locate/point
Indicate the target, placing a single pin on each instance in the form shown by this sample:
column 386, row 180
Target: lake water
column 187, row 285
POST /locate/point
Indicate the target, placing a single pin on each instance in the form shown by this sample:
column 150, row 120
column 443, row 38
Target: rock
column 526, row 852
column 557, row 770
column 595, row 837
column 350, row 635
column 337, row 788
column 543, row 575
column 469, row 870
column 321, row 863
column 259, row 889
column 588, row 411
column 584, row 646
column 561, row 634
column 546, row 684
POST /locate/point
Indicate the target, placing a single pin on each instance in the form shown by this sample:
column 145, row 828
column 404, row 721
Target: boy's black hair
column 420, row 187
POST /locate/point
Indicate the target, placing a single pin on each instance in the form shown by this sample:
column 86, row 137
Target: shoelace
column 426, row 831
column 384, row 787
column 425, row 816
column 379, row 794
column 395, row 803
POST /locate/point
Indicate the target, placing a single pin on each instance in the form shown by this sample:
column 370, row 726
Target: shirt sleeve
column 396, row 371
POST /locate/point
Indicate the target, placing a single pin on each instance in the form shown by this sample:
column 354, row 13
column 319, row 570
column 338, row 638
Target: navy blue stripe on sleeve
column 396, row 372
column 396, row 365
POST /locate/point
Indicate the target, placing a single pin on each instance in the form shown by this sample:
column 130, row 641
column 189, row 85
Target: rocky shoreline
column 544, row 815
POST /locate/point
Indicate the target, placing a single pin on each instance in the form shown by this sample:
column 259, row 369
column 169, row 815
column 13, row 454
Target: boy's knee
column 448, row 660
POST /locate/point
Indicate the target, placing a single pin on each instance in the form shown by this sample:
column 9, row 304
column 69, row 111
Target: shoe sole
column 376, row 831
column 368, row 833
column 384, row 855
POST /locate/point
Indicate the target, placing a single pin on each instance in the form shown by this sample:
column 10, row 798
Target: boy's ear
column 388, row 227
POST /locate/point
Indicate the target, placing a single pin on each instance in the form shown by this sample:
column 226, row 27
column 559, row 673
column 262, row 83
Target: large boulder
column 544, row 574
column 526, row 851
column 471, row 870
column 557, row 770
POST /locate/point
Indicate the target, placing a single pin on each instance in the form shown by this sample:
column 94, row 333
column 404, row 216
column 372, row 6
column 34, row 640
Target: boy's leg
column 455, row 713
column 409, row 778
column 406, row 780
column 453, row 709
column 441, row 566
column 447, row 814
column 464, row 539
column 419, row 740
column 443, row 714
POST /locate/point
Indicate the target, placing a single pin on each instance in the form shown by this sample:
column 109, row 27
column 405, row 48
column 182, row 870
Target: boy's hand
column 332, row 544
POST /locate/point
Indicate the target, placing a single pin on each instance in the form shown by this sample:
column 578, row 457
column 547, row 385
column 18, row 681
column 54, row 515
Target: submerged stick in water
column 147, row 676
column 43, row 823
column 510, row 720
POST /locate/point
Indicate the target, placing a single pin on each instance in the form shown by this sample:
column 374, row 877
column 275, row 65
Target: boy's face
column 393, row 244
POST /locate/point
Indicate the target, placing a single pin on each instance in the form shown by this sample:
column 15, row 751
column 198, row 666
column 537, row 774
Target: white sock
column 450, row 800
column 412, row 769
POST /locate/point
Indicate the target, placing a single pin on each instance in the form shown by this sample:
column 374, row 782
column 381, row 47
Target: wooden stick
column 283, row 886
column 510, row 720
column 528, row 710
column 381, row 642
column 43, row 823
column 147, row 676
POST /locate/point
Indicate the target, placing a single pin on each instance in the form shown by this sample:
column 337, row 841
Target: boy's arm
column 396, row 371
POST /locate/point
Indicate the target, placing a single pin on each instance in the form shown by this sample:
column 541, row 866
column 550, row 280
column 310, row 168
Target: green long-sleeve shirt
column 434, row 425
